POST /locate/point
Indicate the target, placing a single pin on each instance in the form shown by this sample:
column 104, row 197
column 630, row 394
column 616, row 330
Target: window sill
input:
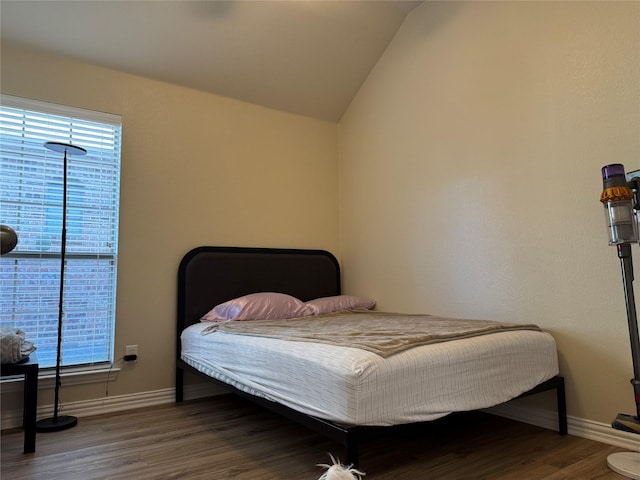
column 78, row 376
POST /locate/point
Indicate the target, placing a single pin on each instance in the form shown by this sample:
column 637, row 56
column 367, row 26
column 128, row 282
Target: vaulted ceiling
column 305, row 57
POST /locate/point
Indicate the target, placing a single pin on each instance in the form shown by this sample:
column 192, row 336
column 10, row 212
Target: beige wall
column 470, row 176
column 197, row 169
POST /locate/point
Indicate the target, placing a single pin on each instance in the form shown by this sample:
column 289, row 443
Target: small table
column 28, row 368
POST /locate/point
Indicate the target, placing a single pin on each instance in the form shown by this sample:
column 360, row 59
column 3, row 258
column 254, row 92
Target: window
column 31, row 204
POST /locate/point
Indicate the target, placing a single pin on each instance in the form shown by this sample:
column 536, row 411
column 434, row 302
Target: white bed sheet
column 357, row 387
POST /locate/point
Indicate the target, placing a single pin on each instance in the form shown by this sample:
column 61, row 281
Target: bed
column 345, row 393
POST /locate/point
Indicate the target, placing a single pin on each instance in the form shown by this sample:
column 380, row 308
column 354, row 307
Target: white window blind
column 31, row 203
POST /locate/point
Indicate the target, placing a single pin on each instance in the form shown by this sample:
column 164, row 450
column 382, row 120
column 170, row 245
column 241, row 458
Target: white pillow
column 339, row 303
column 258, row 306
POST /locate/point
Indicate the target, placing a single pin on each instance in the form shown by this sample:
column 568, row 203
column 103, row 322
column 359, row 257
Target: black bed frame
column 208, row 276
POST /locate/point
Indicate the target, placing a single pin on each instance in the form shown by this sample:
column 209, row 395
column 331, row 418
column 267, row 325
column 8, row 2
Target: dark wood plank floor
column 228, row 438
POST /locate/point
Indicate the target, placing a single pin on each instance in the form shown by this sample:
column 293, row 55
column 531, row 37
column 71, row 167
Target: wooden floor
column 228, row 438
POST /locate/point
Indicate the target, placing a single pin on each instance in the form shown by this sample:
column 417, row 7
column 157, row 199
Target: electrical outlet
column 131, row 350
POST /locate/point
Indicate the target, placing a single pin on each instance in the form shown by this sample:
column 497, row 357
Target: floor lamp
column 60, row 422
column 621, row 200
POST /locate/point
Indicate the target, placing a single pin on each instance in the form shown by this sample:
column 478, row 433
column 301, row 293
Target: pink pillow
column 339, row 303
column 258, row 306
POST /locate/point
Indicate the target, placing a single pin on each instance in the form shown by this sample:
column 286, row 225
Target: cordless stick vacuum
column 620, row 198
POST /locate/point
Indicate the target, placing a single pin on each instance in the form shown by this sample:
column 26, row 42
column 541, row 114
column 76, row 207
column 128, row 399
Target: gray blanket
column 377, row 332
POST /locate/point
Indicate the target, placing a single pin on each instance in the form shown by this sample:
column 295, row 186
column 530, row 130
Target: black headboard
column 208, row 276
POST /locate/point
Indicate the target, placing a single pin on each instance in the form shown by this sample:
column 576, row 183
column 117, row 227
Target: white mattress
column 353, row 386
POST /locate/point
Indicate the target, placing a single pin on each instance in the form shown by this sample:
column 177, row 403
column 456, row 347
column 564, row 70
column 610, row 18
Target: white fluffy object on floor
column 336, row 471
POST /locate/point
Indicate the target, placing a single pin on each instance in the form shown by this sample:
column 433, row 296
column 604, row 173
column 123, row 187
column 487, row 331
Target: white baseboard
column 578, row 427
column 88, row 408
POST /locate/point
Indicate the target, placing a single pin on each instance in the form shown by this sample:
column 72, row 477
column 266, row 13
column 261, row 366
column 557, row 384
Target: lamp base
column 626, row 463
column 54, row 424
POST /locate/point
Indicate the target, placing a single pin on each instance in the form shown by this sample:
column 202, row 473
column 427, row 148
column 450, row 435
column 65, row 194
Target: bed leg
column 562, row 407
column 179, row 384
column 351, row 451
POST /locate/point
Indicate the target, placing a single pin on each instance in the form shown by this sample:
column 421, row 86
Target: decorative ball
column 8, row 239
